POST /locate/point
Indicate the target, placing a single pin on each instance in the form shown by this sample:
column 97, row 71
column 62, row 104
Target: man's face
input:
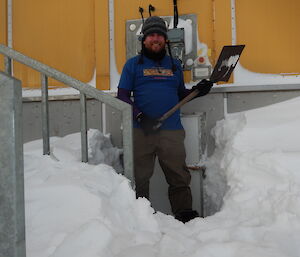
column 155, row 42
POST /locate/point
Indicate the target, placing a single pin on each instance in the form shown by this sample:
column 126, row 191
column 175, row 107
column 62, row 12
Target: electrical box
column 176, row 39
column 183, row 39
column 201, row 71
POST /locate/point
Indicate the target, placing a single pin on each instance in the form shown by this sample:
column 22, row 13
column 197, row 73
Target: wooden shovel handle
column 189, row 97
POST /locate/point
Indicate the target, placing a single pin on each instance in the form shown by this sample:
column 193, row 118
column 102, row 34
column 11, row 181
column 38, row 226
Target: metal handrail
column 85, row 90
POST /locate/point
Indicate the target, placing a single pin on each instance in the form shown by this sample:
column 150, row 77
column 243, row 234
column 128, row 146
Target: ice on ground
column 253, row 179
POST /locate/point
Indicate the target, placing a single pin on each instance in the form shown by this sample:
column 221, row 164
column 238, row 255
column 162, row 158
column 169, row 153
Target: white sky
column 75, row 209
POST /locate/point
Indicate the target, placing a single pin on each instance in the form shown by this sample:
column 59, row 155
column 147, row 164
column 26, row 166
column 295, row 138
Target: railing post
column 45, row 115
column 128, row 145
column 7, row 65
column 83, row 128
column 12, row 213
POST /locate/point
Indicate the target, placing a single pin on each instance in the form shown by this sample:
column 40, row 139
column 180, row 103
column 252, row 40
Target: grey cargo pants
column 168, row 146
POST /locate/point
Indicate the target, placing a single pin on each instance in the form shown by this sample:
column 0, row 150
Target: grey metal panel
column 255, row 88
column 64, row 117
column 94, row 114
column 133, row 45
column 113, row 125
column 243, row 101
column 213, row 105
column 32, row 121
column 12, row 213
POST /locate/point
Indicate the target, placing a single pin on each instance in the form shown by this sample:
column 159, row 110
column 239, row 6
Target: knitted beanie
column 154, row 24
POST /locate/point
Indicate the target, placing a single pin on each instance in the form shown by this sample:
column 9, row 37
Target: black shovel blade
column 226, row 63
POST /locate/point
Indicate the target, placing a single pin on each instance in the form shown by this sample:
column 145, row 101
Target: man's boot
column 186, row 215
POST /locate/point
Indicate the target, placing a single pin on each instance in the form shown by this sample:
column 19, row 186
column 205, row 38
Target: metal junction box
column 176, row 38
column 183, row 40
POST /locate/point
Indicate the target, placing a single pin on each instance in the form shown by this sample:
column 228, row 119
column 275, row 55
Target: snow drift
column 75, row 209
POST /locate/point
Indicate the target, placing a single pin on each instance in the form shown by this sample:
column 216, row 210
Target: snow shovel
column 226, row 63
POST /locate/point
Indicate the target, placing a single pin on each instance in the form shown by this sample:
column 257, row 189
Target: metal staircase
column 11, row 145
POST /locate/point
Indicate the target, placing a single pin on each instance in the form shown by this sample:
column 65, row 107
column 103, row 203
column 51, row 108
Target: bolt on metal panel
column 243, row 101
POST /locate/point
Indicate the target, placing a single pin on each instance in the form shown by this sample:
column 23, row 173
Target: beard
column 156, row 56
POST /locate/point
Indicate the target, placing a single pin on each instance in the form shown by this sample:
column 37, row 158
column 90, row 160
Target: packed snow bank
column 76, row 209
column 258, row 154
column 100, row 149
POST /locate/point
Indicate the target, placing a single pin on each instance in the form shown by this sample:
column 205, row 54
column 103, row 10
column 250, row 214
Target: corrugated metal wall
column 270, row 31
column 57, row 33
column 74, row 36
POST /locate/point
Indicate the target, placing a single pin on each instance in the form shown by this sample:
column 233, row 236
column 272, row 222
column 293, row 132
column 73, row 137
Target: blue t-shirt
column 155, row 87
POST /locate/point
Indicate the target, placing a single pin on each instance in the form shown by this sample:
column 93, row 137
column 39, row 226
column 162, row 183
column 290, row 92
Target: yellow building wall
column 73, row 36
column 58, row 33
column 3, row 28
column 221, row 28
column 270, row 31
column 102, row 44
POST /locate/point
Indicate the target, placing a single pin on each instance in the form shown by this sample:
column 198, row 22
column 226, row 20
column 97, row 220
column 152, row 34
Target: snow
column 75, row 209
column 27, row 92
column 244, row 77
column 55, row 91
column 231, row 61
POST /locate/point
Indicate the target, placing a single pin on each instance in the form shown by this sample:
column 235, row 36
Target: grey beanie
column 154, row 24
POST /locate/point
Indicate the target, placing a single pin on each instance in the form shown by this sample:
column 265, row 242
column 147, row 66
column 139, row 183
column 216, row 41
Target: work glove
column 203, row 86
column 148, row 124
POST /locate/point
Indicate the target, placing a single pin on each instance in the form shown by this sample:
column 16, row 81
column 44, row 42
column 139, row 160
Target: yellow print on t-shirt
column 158, row 72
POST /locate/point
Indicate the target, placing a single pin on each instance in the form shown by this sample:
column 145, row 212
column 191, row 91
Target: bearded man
column 156, row 80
